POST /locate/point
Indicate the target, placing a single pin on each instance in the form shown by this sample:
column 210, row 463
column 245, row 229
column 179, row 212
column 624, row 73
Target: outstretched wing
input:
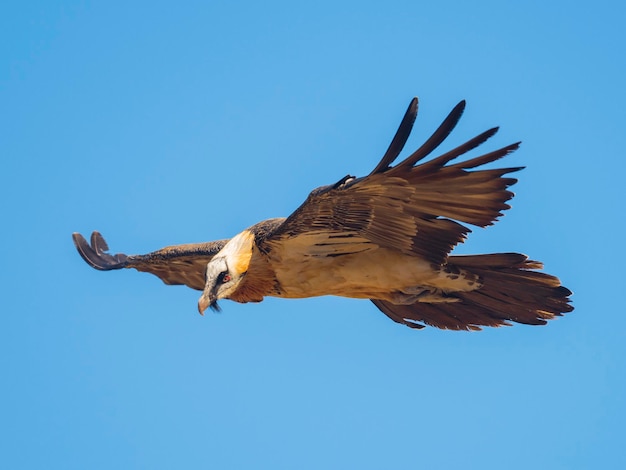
column 174, row 265
column 416, row 209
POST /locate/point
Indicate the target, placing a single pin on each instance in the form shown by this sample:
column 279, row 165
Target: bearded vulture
column 386, row 237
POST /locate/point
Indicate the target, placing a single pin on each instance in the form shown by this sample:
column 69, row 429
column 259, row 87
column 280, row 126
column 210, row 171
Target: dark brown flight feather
column 399, row 140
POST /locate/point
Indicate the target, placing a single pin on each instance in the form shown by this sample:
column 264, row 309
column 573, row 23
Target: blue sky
column 159, row 123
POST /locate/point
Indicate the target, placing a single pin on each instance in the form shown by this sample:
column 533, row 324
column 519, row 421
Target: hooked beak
column 206, row 301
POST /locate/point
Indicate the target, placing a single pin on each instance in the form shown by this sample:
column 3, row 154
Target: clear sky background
column 160, row 123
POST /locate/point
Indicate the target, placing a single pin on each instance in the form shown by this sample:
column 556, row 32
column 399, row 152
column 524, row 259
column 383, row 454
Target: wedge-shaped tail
column 512, row 291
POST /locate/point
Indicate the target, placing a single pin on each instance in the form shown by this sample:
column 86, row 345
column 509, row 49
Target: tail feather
column 512, row 291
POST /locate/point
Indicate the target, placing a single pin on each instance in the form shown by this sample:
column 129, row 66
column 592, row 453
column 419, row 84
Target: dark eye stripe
column 223, row 277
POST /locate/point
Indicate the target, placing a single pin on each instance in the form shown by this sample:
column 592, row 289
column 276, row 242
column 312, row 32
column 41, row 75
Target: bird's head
column 226, row 270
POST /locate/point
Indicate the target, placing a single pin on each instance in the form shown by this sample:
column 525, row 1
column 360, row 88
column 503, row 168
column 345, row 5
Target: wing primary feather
column 434, row 140
column 95, row 254
column 462, row 149
column 488, row 158
column 98, row 243
column 398, row 141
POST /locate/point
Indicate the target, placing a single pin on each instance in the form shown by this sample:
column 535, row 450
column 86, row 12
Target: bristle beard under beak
column 208, row 301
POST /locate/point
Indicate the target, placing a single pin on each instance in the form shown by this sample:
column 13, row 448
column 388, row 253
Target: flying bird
column 386, row 237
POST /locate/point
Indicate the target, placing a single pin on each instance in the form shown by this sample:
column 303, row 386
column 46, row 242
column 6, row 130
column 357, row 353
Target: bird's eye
column 226, row 278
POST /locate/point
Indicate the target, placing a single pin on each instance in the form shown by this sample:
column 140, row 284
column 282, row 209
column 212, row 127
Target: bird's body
column 357, row 269
column 385, row 237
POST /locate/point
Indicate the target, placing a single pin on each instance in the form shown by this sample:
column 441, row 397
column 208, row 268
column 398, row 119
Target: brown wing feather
column 415, row 209
column 398, row 141
column 174, row 265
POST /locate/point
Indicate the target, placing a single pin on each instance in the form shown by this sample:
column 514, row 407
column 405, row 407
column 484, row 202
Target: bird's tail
column 511, row 290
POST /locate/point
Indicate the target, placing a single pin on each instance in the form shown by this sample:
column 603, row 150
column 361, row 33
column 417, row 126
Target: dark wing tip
column 95, row 254
column 399, row 139
column 442, row 132
column 456, row 113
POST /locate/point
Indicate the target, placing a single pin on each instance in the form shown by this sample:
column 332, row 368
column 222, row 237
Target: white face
column 226, row 270
column 220, row 278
